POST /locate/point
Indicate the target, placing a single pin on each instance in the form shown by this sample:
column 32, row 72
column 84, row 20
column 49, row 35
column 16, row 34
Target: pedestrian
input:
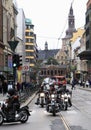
column 4, row 87
column 90, row 83
column 73, row 84
column 87, row 83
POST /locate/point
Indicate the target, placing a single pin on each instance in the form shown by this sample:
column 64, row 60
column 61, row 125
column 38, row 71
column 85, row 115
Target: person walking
column 4, row 87
column 87, row 83
column 73, row 84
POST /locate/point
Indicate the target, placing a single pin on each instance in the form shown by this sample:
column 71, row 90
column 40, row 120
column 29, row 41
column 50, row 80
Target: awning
column 85, row 55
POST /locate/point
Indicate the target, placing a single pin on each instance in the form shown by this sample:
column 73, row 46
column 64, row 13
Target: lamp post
column 13, row 45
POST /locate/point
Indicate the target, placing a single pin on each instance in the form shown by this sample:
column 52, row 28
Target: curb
column 86, row 89
column 29, row 100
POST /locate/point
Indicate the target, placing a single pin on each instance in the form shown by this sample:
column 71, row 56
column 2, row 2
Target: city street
column 78, row 117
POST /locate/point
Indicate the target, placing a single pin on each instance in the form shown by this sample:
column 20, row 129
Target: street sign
column 13, row 45
column 26, row 67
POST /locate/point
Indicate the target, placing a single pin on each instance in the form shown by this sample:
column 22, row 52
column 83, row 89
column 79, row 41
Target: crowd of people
column 85, row 83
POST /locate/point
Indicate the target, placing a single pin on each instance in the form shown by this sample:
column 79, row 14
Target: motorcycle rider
column 12, row 101
column 60, row 91
column 41, row 89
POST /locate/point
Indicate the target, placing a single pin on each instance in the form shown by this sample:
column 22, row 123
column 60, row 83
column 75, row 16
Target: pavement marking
column 65, row 123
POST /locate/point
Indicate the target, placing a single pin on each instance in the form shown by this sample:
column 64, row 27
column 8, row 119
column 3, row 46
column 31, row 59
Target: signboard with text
column 26, row 67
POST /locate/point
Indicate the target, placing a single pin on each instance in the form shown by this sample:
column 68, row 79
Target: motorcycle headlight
column 68, row 95
column 65, row 95
column 53, row 99
column 62, row 96
column 42, row 94
column 52, row 96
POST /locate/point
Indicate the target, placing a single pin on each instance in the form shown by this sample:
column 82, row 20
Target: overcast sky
column 50, row 18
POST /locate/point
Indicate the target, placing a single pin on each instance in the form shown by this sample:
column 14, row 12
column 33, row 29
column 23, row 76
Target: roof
column 45, row 54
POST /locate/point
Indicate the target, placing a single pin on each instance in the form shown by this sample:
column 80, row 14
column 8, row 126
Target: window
column 27, row 26
column 29, row 47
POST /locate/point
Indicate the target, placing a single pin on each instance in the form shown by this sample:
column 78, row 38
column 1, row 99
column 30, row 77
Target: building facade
column 86, row 55
column 20, row 49
column 30, row 44
column 9, row 34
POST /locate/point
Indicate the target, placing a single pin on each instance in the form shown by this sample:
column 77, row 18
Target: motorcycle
column 64, row 98
column 64, row 101
column 53, row 107
column 7, row 116
column 41, row 99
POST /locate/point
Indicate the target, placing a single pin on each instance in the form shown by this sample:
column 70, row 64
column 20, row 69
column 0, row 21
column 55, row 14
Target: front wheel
column 65, row 106
column 24, row 116
column 53, row 109
column 1, row 119
column 54, row 113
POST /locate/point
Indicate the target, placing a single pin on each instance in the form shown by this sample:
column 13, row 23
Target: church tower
column 71, row 24
column 46, row 45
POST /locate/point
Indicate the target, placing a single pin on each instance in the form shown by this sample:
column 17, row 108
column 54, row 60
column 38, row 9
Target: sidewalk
column 80, row 87
column 85, row 88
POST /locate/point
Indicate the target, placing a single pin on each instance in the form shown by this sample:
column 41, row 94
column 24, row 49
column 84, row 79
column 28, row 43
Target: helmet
column 11, row 91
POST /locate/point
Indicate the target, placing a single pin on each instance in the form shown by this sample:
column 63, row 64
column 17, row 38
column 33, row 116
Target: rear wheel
column 1, row 119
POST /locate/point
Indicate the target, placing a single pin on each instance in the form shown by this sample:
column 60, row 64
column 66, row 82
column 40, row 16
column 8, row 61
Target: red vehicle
column 60, row 80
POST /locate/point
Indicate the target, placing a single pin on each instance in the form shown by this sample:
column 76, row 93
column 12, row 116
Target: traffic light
column 20, row 61
column 15, row 60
